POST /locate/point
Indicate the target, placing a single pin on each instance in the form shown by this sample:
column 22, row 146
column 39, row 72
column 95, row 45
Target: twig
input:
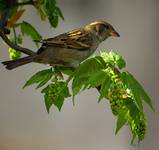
column 16, row 47
column 3, row 21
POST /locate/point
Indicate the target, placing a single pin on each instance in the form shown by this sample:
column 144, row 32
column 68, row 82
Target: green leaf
column 134, row 111
column 104, row 88
column 137, row 90
column 128, row 82
column 45, row 79
column 59, row 13
column 53, row 12
column 97, row 78
column 41, row 77
column 77, row 84
column 48, row 102
column 66, row 70
column 143, row 94
column 122, row 120
column 62, row 94
column 55, row 93
column 13, row 54
column 53, row 19
column 88, row 67
column 114, row 59
column 83, row 72
column 29, row 30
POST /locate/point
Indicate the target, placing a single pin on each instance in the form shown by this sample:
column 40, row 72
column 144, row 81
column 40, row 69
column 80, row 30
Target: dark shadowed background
column 24, row 122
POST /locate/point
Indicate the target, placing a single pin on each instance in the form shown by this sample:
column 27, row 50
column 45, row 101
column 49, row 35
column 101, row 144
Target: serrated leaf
column 59, row 13
column 114, row 59
column 88, row 67
column 104, row 88
column 142, row 92
column 64, row 93
column 65, row 70
column 50, row 10
column 121, row 63
column 45, row 80
column 137, row 90
column 133, row 109
column 83, row 72
column 127, row 80
column 96, row 78
column 29, row 30
column 40, row 77
column 78, row 84
column 48, row 102
column 121, row 120
column 55, row 95
column 53, row 12
column 53, row 19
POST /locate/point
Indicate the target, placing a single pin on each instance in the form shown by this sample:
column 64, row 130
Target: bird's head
column 102, row 29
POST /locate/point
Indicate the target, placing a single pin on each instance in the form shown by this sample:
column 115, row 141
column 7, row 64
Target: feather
column 77, row 39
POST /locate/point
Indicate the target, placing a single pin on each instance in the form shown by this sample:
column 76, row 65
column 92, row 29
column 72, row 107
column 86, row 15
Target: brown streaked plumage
column 71, row 48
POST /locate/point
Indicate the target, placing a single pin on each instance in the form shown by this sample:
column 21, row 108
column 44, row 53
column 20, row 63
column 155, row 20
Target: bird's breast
column 64, row 56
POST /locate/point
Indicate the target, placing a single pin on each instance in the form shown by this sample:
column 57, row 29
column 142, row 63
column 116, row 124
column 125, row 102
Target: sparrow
column 69, row 49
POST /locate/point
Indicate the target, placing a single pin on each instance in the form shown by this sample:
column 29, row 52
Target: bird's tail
column 19, row 62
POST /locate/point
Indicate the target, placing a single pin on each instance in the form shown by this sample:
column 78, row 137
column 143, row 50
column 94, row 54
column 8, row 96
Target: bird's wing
column 77, row 39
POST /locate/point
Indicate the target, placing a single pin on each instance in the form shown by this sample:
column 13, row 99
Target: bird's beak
column 115, row 34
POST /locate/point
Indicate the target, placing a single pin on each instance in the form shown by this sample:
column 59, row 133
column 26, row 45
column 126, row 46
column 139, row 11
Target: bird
column 68, row 49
